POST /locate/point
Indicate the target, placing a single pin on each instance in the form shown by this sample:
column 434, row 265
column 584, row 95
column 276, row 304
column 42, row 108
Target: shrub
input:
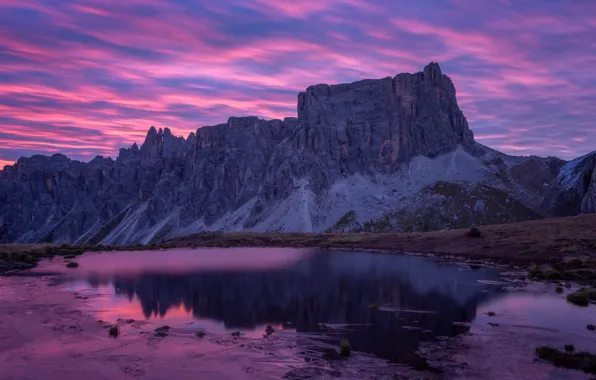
column 582, row 361
column 344, row 348
column 582, row 297
column 474, row 232
column 569, row 348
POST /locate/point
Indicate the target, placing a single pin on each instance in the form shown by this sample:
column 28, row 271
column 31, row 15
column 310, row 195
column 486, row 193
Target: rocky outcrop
column 373, row 145
column 378, row 124
column 166, row 184
column 574, row 191
column 589, row 201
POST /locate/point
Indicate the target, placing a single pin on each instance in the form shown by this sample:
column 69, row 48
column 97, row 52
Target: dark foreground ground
column 557, row 248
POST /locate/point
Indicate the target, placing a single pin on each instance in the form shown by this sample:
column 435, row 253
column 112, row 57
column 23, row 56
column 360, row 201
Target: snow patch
column 570, row 172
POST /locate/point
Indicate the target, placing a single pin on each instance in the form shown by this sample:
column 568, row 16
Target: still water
column 386, row 305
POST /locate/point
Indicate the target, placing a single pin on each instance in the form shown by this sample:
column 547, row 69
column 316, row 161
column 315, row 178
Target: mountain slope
column 394, row 153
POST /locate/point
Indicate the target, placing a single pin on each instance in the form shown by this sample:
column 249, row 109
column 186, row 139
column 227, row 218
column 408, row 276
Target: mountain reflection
column 326, row 287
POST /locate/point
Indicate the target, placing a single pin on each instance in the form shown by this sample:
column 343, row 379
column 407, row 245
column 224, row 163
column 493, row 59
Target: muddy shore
column 550, row 249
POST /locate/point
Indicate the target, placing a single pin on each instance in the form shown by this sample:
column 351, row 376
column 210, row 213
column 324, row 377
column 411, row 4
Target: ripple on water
column 326, row 296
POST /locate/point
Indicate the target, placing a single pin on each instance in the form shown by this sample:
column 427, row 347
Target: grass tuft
column 162, row 331
column 569, row 348
column 269, row 330
column 582, row 297
column 344, row 348
column 582, row 361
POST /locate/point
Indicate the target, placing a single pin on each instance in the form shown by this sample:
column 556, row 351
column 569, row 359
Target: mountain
column 373, row 155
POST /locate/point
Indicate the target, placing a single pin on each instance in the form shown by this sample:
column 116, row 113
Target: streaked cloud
column 85, row 77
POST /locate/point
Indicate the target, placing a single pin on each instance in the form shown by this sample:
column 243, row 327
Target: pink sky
column 86, row 77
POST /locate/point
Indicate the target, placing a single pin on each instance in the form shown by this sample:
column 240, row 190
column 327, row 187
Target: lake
column 406, row 311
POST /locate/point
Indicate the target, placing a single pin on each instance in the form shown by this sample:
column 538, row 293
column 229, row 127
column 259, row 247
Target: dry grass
column 560, row 247
column 23, row 256
column 582, row 297
column 523, row 241
column 582, row 361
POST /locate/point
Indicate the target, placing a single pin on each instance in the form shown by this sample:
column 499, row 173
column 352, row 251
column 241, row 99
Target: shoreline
column 41, row 318
column 49, row 332
column 56, row 332
column 549, row 249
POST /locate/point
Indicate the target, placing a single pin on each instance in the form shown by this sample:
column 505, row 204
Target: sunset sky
column 86, row 77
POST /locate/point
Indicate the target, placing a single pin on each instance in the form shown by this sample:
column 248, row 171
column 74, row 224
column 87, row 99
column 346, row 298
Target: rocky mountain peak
column 432, row 73
column 151, row 133
column 372, row 148
column 160, row 143
column 383, row 123
column 152, row 148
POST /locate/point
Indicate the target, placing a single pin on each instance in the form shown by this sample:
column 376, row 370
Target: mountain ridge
column 396, row 153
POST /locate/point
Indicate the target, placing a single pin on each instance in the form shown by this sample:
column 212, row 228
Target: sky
column 87, row 77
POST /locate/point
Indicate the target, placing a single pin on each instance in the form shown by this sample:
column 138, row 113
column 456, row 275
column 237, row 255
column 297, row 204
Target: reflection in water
column 419, row 299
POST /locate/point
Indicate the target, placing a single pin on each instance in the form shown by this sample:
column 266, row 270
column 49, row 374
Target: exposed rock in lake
column 393, row 154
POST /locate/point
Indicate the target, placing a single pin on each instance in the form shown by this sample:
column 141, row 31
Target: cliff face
column 574, row 191
column 147, row 191
column 589, row 201
column 378, row 124
column 369, row 146
column 368, row 127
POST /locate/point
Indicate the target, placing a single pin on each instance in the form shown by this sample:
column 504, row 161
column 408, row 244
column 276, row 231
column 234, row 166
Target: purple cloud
column 86, row 77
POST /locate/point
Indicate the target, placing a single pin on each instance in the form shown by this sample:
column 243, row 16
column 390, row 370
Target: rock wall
column 574, row 191
column 378, row 124
column 171, row 185
column 167, row 178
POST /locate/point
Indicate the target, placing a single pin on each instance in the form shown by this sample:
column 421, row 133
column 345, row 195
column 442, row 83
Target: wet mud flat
column 281, row 313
